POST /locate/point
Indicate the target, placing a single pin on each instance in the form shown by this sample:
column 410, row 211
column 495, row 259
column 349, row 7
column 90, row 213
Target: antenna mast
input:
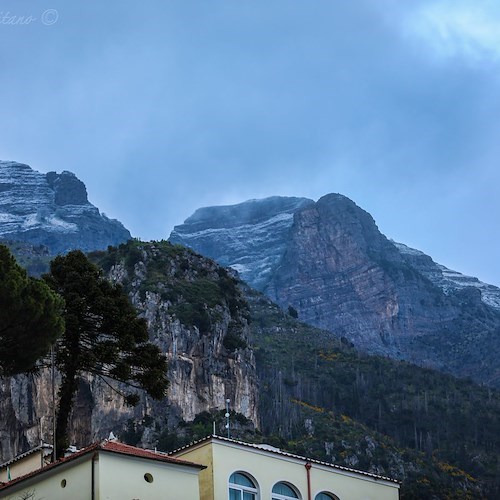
column 227, row 417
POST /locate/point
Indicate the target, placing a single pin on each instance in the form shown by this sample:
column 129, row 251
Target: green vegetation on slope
column 34, row 258
column 196, row 289
column 442, row 419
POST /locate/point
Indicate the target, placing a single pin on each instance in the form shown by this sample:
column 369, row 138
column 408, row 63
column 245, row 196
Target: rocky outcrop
column 341, row 274
column 53, row 210
column 197, row 317
column 448, row 280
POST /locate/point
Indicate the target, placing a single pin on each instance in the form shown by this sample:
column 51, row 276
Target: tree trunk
column 67, row 392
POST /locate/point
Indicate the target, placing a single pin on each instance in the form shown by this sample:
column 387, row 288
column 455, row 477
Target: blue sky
column 168, row 106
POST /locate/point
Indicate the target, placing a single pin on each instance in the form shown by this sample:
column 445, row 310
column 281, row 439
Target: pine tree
column 103, row 336
column 30, row 317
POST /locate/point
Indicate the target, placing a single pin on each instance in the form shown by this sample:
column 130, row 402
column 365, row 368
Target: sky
column 163, row 107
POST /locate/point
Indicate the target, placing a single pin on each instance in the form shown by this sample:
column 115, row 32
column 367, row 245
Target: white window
column 284, row 491
column 241, row 487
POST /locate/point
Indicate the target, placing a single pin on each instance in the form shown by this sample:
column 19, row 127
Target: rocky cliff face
column 341, row 274
column 197, row 317
column 52, row 209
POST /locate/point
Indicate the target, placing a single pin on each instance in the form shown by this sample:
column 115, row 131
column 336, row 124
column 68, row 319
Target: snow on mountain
column 448, row 280
column 52, row 209
column 249, row 237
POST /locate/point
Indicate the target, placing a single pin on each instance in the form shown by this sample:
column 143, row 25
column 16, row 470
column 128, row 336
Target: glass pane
column 284, row 489
column 323, row 496
column 234, row 494
column 241, row 479
column 248, row 496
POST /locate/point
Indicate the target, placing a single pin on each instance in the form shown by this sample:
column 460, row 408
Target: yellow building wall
column 267, row 469
column 48, row 486
column 22, row 466
column 203, row 456
column 122, row 477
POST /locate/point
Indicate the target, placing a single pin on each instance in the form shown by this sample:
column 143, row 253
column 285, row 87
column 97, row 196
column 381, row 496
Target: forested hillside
column 321, row 397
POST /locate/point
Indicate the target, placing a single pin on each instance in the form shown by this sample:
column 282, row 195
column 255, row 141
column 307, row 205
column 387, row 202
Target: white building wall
column 22, row 466
column 122, row 477
column 77, row 477
column 116, row 477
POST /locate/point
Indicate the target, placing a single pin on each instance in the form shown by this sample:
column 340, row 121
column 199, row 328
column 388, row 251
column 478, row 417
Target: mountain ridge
column 53, row 210
column 263, row 219
column 340, row 273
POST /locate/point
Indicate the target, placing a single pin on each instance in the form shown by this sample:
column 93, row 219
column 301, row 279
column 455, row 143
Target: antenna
column 227, row 417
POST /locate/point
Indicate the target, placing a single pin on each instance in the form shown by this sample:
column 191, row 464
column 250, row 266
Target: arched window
column 284, row 491
column 325, row 496
column 241, row 487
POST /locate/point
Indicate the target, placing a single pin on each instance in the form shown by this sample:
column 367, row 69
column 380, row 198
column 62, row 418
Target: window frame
column 329, row 494
column 242, row 488
column 279, row 496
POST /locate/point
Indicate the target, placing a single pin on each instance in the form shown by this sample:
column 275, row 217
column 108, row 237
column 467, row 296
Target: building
column 215, row 468
column 242, row 471
column 109, row 470
column 26, row 462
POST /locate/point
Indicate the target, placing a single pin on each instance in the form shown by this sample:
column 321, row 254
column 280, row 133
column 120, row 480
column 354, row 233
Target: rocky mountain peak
column 53, row 210
column 198, row 318
column 339, row 214
column 249, row 236
column 68, row 189
column 248, row 212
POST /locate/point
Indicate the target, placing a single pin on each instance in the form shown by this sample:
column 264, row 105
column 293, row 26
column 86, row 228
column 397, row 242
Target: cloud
column 470, row 29
column 169, row 106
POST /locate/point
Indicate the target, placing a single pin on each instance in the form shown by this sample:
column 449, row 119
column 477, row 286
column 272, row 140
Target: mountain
column 307, row 391
column 52, row 210
column 448, row 280
column 197, row 317
column 250, row 237
column 330, row 263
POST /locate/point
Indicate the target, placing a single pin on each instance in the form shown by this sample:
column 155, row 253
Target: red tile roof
column 125, row 449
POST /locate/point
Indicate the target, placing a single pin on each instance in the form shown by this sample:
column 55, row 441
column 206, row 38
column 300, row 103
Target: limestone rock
column 203, row 372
